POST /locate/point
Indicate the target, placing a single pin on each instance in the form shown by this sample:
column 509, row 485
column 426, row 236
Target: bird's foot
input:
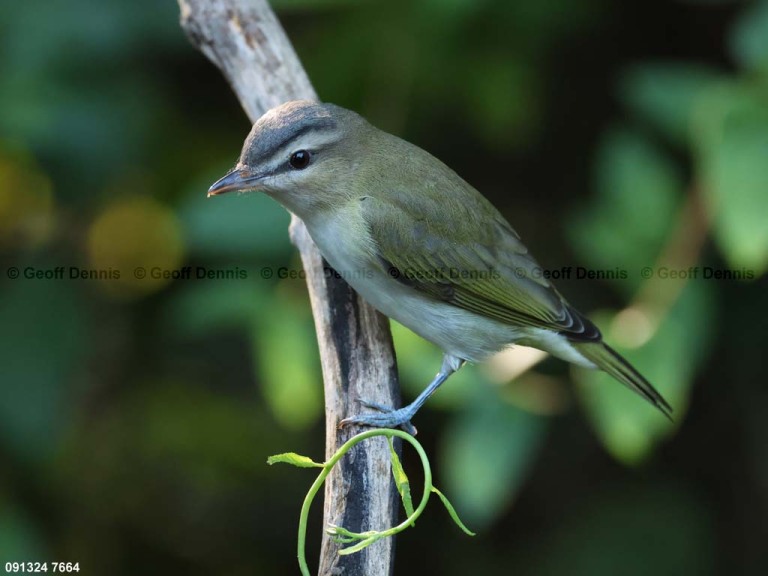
column 383, row 418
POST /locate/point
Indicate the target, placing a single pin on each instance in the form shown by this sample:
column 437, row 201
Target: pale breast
column 343, row 242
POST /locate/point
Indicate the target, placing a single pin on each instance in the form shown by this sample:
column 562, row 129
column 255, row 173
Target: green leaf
column 452, row 512
column 629, row 427
column 487, row 453
column 749, row 38
column 401, row 479
column 287, row 360
column 732, row 157
column 638, row 193
column 665, row 95
column 245, row 226
column 294, row 460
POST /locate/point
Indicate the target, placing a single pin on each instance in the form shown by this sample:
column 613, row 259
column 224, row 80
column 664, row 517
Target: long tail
column 607, row 359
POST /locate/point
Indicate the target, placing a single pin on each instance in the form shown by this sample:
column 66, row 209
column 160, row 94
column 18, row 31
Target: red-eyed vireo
column 418, row 243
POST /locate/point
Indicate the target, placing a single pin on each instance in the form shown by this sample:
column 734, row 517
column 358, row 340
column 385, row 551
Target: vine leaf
column 364, row 539
column 294, row 460
column 452, row 512
column 401, row 480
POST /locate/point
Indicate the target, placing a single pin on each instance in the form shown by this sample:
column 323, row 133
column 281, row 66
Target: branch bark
column 245, row 40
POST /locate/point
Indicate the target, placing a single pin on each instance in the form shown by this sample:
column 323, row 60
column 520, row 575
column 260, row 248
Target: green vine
column 364, row 539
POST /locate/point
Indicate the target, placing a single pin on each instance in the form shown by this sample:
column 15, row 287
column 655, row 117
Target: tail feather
column 607, row 359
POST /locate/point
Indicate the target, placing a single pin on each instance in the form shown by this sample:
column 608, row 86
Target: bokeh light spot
column 26, row 201
column 141, row 240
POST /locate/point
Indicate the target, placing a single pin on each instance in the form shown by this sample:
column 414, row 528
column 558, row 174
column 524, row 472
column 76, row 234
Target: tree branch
column 245, row 40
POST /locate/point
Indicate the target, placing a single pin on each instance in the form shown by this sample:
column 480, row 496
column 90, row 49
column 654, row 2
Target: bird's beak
column 239, row 179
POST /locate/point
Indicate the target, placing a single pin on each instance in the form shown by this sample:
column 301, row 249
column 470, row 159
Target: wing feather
column 489, row 273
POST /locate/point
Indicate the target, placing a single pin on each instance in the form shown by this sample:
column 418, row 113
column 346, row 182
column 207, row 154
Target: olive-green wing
column 471, row 258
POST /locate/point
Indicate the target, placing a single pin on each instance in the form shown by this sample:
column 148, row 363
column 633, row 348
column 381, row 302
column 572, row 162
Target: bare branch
column 245, row 40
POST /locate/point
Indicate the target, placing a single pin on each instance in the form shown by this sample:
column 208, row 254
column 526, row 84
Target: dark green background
column 136, row 415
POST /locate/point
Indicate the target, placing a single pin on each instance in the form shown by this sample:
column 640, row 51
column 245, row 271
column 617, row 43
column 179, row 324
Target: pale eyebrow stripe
column 316, row 126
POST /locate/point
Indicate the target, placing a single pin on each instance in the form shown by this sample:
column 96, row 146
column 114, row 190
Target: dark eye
column 299, row 159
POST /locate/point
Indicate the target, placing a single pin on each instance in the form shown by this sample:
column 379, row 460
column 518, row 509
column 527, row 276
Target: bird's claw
column 385, row 418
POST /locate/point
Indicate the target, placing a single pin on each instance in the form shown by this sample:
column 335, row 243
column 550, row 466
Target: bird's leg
column 391, row 418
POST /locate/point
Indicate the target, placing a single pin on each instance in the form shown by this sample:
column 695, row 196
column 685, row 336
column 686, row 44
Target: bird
column 417, row 242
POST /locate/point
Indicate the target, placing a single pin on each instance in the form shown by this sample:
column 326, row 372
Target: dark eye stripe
column 281, row 139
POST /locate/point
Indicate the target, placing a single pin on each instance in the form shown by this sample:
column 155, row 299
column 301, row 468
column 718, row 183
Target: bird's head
column 302, row 153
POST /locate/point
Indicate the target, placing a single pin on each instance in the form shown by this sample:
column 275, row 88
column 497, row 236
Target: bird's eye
column 299, row 159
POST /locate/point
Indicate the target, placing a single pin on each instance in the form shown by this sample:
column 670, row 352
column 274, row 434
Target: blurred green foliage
column 137, row 412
